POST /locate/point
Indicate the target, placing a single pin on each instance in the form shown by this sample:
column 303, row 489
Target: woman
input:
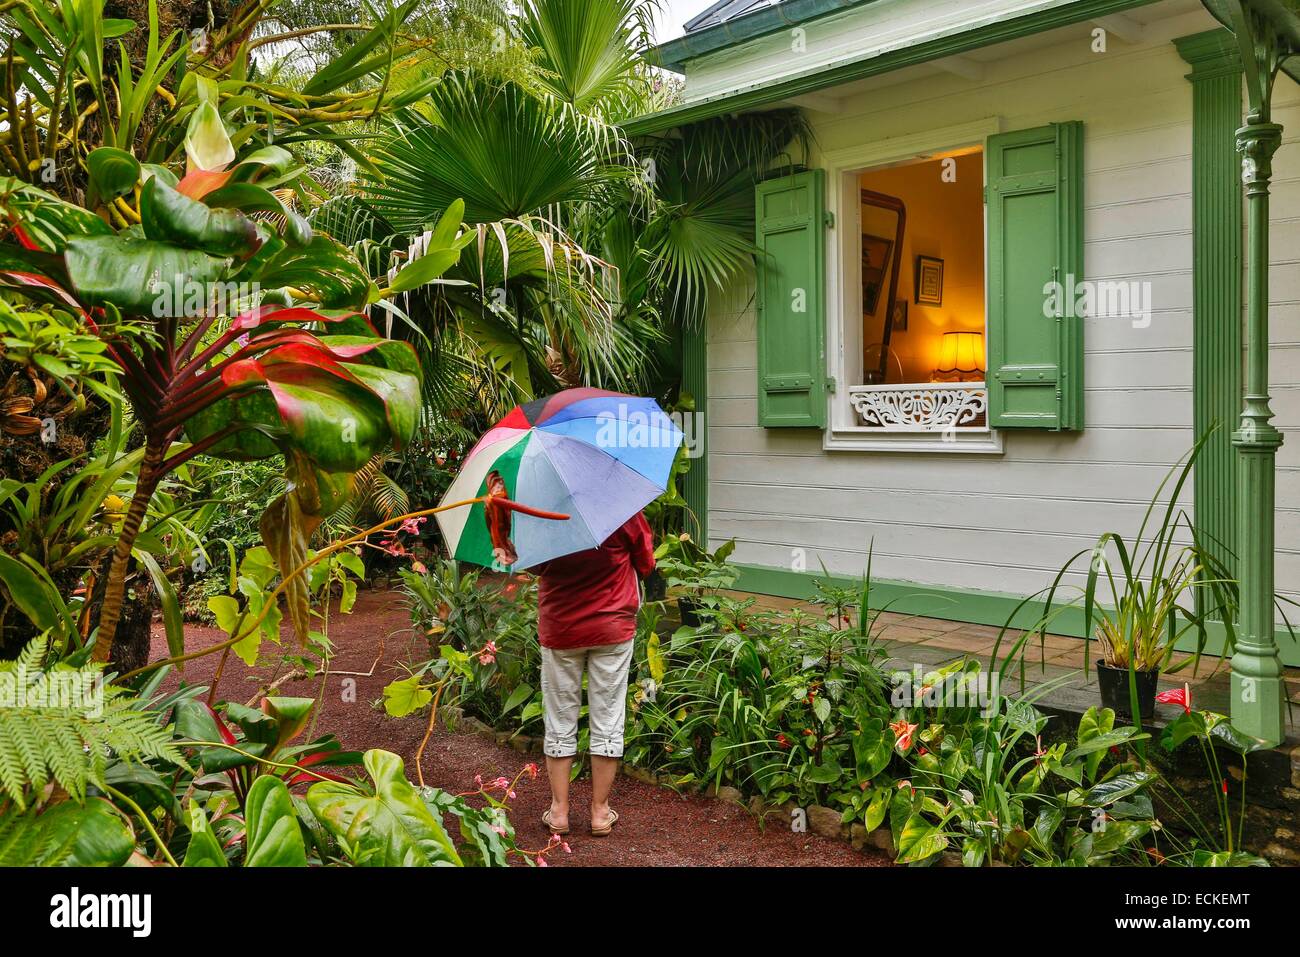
column 587, row 610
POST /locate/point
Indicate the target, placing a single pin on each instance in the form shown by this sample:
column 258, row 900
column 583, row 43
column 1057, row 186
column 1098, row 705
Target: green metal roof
column 766, row 93
column 780, row 16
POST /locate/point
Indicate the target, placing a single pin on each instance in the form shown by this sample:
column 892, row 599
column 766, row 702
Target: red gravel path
column 656, row 826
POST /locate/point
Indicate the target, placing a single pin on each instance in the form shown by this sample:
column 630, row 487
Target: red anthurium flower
column 903, row 732
column 1180, row 696
column 1225, row 785
column 782, row 742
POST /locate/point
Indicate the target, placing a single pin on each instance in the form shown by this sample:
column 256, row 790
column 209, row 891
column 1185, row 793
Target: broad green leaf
column 204, row 849
column 918, row 840
column 112, row 171
column 822, row 708
column 290, row 715
column 386, row 825
column 98, row 835
column 168, row 217
column 1115, row 836
column 424, row 270
column 323, row 268
column 406, row 696
column 140, row 277
column 173, row 621
column 654, row 658
column 32, row 596
column 1108, row 792
column 522, row 693
column 876, row 807
column 273, row 836
column 1204, row 858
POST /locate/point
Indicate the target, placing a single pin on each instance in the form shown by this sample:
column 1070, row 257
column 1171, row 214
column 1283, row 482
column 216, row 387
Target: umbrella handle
column 527, row 509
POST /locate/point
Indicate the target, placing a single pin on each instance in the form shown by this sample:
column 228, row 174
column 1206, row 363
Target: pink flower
column 488, row 653
column 532, row 770
column 501, row 831
column 478, row 781
column 564, row 846
column 412, row 525
column 903, row 732
column 419, row 568
column 541, row 861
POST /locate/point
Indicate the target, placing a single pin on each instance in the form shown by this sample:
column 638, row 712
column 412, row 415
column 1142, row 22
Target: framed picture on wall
column 929, row 281
column 875, row 269
column 900, row 315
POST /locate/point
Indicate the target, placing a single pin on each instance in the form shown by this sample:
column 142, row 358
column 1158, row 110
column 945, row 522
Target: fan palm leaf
column 504, row 151
column 700, row 236
column 589, row 50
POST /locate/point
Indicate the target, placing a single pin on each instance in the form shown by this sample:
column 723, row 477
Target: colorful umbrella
column 597, row 456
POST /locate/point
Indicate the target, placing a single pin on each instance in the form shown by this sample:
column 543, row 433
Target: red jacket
column 591, row 598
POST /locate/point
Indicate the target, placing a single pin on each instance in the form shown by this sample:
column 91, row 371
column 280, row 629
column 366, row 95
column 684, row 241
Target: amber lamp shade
column 961, row 356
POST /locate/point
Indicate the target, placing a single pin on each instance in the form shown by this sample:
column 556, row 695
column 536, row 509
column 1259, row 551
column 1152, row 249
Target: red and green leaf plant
column 172, row 295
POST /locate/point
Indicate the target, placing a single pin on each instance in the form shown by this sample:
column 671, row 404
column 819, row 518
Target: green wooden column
column 695, row 380
column 1258, row 693
column 1216, row 283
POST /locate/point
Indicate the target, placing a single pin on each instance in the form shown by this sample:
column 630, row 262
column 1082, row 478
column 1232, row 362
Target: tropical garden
column 267, row 270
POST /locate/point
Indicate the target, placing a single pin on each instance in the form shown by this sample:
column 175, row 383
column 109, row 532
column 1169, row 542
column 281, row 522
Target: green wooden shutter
column 1035, row 238
column 790, row 235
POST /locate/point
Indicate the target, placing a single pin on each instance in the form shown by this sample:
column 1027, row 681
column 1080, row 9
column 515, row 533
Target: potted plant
column 1155, row 590
column 687, row 565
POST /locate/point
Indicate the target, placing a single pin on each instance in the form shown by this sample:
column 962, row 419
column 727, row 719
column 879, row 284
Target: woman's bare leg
column 557, row 770
column 603, row 770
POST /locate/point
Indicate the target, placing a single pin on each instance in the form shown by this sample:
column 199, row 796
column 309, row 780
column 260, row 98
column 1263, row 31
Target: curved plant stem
column 428, row 731
column 144, row 819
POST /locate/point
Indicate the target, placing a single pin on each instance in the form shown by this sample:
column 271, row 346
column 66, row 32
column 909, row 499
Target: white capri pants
column 607, row 668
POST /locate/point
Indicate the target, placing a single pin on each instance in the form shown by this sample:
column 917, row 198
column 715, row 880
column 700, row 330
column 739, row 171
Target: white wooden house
column 1091, row 144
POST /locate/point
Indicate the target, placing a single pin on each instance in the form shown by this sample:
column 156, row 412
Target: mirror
column 882, row 259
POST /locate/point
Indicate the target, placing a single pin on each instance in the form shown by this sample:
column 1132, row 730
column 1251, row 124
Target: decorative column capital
column 1211, row 53
column 1257, row 142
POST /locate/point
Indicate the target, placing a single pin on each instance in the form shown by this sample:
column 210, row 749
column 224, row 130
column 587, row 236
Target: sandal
column 546, row 819
column 609, row 825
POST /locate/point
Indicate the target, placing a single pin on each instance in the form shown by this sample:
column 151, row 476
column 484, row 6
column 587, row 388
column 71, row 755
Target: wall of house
column 1006, row 523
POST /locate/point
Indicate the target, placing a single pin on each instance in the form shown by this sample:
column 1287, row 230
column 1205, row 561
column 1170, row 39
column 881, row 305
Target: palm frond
column 590, row 50
column 504, row 151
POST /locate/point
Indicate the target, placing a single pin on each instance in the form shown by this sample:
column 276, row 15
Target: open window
column 921, row 265
column 918, row 293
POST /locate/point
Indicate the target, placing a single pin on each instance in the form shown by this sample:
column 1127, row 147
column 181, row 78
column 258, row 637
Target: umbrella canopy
column 597, row 456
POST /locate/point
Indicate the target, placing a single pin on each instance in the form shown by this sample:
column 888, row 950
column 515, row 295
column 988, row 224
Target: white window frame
column 844, row 292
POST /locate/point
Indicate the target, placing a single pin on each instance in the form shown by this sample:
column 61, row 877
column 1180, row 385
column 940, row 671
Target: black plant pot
column 689, row 609
column 1114, row 685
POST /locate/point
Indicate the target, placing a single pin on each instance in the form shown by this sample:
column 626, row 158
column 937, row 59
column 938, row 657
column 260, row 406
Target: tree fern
column 71, row 742
column 24, row 843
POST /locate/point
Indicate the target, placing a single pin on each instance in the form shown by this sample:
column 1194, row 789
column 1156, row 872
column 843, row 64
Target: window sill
column 922, row 417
